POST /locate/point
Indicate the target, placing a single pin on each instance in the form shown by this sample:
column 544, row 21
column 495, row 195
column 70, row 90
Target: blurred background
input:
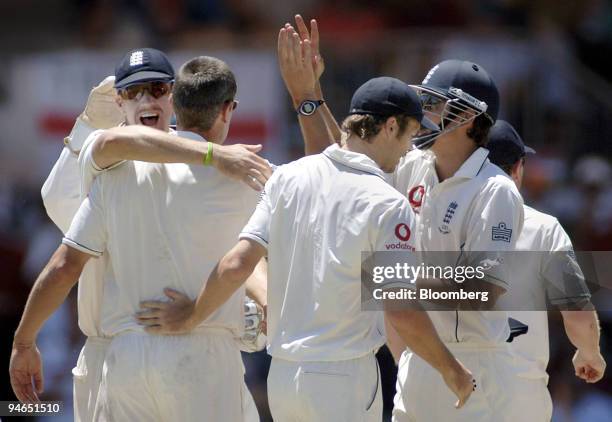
column 547, row 57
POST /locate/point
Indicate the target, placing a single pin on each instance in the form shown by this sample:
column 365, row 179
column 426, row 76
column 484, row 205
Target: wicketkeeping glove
column 253, row 339
column 101, row 112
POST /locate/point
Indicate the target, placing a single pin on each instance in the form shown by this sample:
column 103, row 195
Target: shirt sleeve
column 87, row 231
column 258, row 227
column 61, row 191
column 492, row 230
column 88, row 169
column 393, row 246
column 563, row 278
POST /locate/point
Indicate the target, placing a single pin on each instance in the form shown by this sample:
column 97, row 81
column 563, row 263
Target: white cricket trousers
column 87, row 375
column 422, row 396
column 192, row 377
column 534, row 399
column 348, row 390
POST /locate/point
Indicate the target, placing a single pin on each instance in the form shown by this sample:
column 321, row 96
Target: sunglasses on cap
column 156, row 89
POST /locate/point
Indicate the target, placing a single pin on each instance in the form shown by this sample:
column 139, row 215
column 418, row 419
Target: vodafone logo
column 402, row 232
column 415, row 197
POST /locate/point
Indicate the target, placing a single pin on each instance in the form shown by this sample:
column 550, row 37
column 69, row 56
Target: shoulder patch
column 501, row 233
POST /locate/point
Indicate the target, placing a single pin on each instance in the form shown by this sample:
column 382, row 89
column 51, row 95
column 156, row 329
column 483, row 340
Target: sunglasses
column 155, row 89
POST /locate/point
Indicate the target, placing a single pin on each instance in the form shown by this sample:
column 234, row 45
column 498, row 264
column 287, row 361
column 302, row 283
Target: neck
column 210, row 135
column 451, row 154
column 356, row 144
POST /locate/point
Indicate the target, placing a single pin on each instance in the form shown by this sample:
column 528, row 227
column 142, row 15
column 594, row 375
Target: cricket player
column 315, row 218
column 545, row 270
column 148, row 74
column 467, row 208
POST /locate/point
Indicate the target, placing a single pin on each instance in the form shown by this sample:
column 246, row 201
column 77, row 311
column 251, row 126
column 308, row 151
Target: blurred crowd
column 549, row 59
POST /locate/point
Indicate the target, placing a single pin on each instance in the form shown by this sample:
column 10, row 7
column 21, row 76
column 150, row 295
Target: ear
column 226, row 111
column 516, row 166
column 391, row 126
column 515, row 172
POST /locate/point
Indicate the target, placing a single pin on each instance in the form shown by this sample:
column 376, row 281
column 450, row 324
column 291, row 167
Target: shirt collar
column 472, row 166
column 354, row 160
column 189, row 135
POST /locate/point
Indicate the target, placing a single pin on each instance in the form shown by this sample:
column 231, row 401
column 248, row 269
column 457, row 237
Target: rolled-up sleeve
column 87, row 232
column 258, row 227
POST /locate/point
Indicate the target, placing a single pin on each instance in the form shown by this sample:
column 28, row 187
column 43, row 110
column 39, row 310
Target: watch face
column 308, row 107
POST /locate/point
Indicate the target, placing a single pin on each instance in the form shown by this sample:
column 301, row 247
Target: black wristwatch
column 308, row 107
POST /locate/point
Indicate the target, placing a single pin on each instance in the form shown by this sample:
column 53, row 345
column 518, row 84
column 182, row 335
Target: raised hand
column 296, row 66
column 313, row 36
column 102, row 111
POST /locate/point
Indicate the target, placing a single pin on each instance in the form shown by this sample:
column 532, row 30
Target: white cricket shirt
column 537, row 277
column 62, row 193
column 474, row 214
column 315, row 218
column 162, row 225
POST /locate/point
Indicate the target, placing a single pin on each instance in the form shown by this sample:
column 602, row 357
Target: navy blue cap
column 143, row 65
column 469, row 77
column 505, row 145
column 385, row 96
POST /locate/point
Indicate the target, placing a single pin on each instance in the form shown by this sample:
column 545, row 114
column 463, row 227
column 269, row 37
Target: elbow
column 66, row 267
column 236, row 268
column 580, row 321
column 405, row 321
column 108, row 140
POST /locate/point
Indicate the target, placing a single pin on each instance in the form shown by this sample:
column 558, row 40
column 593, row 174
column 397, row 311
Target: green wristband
column 208, row 156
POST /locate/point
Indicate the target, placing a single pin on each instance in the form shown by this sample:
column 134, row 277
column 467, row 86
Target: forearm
column 314, row 132
column 48, row 293
column 418, row 333
column 228, row 275
column 333, row 129
column 582, row 329
column 256, row 284
column 394, row 342
column 141, row 143
column 314, row 129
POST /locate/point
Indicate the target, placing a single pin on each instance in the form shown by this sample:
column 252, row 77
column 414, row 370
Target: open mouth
column 149, row 119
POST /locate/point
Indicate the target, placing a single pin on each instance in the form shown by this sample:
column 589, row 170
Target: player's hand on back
column 102, row 110
column 461, row 382
column 241, row 162
column 26, row 373
column 167, row 317
column 589, row 366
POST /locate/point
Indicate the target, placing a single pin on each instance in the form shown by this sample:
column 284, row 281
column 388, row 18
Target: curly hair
column 367, row 126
